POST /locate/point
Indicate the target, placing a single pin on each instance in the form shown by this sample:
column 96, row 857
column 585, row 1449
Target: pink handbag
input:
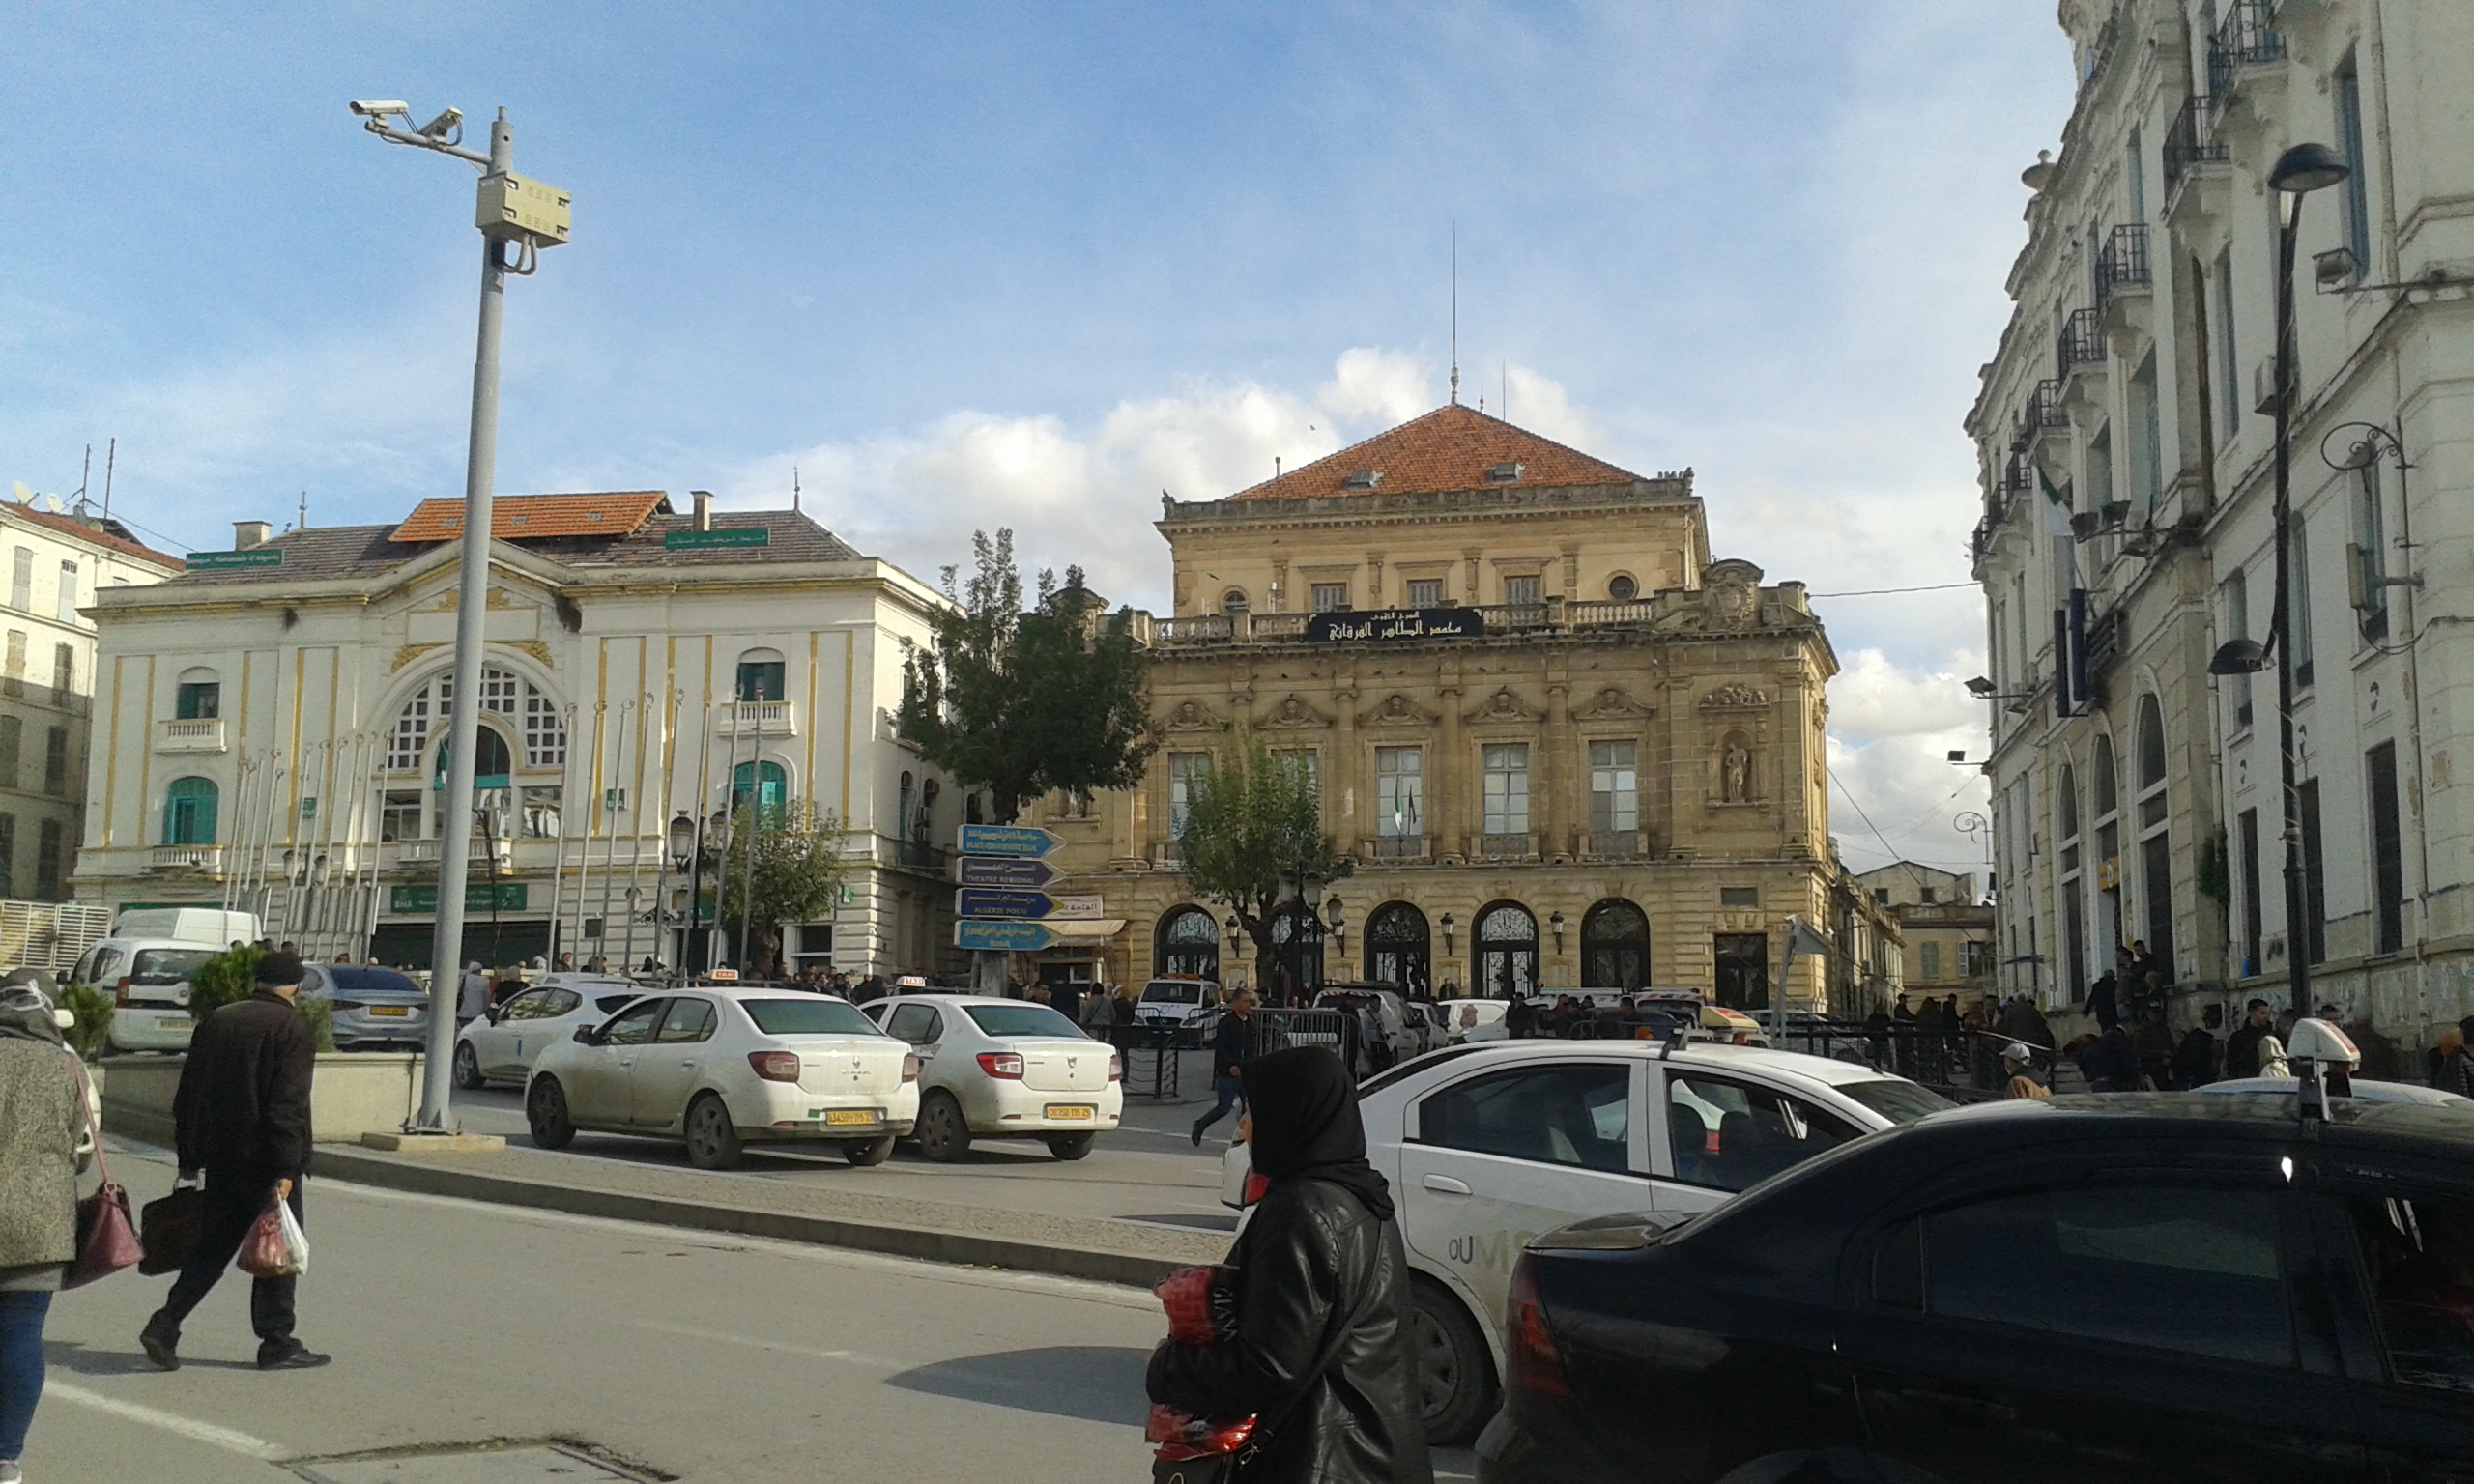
column 107, row 1236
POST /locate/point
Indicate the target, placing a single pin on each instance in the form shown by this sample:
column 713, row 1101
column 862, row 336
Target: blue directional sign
column 1001, row 937
column 996, row 902
column 980, row 870
column 1020, row 840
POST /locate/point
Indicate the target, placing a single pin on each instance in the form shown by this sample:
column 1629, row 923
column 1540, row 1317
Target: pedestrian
column 567, row 964
column 1121, row 1005
column 1229, row 1061
column 2104, row 1001
column 2457, row 1072
column 242, row 1119
column 473, row 995
column 2242, row 1047
column 41, row 1114
column 2272, row 1061
column 2194, row 1064
column 2019, row 1072
column 2153, row 1041
column 1066, row 1000
column 1321, row 1349
column 1519, row 1018
column 1877, row 1033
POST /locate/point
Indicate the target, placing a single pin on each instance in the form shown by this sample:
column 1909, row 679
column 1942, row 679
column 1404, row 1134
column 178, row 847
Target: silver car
column 374, row 1009
column 502, row 1045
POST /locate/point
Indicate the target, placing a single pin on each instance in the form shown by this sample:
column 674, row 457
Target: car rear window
column 167, row 965
column 1173, row 994
column 611, row 1004
column 1022, row 1021
column 1895, row 1098
column 808, row 1015
column 364, row 977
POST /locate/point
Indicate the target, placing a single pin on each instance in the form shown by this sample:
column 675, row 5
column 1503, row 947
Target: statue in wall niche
column 1735, row 772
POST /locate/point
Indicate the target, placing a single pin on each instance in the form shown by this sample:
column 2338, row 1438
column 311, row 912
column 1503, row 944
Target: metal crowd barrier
column 1269, row 1030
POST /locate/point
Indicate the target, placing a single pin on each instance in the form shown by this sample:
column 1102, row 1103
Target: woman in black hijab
column 1321, row 1354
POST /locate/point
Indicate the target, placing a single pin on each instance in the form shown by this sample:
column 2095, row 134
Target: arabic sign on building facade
column 1393, row 623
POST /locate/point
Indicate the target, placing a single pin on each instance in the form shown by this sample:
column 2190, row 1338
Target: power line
column 1879, row 592
column 1859, row 812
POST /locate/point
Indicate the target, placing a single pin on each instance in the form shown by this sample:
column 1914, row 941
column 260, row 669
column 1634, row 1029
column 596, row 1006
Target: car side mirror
column 587, row 1035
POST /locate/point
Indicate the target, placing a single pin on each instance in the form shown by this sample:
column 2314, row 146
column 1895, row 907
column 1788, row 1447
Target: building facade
column 1945, row 933
column 58, row 563
column 1562, row 745
column 272, row 733
column 2126, row 442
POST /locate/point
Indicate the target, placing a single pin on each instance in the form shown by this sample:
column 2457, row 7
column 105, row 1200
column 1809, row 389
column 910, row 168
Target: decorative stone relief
column 1295, row 712
column 1195, row 716
column 1395, row 711
column 1730, row 595
column 1611, row 705
column 1734, row 698
column 1503, row 707
column 1734, row 769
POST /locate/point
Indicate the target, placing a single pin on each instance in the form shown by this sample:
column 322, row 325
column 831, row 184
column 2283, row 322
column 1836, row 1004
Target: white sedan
column 723, row 1067
column 1004, row 1069
column 502, row 1045
column 1491, row 1143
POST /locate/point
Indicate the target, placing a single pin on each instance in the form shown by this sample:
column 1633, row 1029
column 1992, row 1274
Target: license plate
column 840, row 1116
column 398, row 1010
column 1070, row 1112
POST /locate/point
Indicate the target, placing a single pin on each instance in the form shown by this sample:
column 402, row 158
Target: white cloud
column 1541, row 404
column 1377, row 386
column 1872, row 697
column 1894, row 793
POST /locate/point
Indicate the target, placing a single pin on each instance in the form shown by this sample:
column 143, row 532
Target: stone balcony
column 185, row 860
column 191, row 734
column 757, row 719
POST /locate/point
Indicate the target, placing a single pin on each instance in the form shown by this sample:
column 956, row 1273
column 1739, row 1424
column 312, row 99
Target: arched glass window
column 772, row 784
column 1506, row 951
column 493, row 760
column 516, row 700
column 2107, row 800
column 1188, row 942
column 1615, row 946
column 188, row 812
column 761, row 675
column 1233, row 602
column 1398, row 949
column 2066, row 803
column 2151, row 743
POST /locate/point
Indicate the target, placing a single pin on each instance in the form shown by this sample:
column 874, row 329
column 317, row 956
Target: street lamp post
column 2300, row 170
column 517, row 218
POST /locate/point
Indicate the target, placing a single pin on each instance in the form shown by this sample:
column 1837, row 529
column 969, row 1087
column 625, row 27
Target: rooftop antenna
column 304, row 522
column 111, row 456
column 794, row 488
column 1455, row 312
column 85, row 473
column 1274, row 465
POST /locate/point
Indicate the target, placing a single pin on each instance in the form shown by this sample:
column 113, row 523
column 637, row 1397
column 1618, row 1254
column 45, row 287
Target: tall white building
column 57, row 564
column 271, row 726
column 2126, row 450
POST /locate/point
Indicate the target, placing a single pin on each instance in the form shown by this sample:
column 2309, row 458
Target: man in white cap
column 2019, row 1063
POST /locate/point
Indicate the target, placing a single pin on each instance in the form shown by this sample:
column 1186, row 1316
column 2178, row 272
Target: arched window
column 491, row 760
column 1507, row 938
column 1188, row 942
column 1398, row 949
column 761, row 675
column 200, row 696
column 772, row 784
column 188, row 812
column 2152, row 744
column 1233, row 602
column 2066, row 803
column 1615, row 946
column 2106, row 799
column 516, row 700
column 1296, row 970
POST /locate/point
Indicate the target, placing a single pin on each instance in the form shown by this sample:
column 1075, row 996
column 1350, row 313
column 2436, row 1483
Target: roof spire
column 1455, row 312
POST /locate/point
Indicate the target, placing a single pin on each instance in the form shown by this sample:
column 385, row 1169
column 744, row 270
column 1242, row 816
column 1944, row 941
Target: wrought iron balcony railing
column 2191, row 141
column 2122, row 262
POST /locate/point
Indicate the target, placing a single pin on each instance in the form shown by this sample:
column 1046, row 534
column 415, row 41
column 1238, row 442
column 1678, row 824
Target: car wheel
column 1071, row 1146
column 545, row 1108
column 944, row 1134
column 468, row 1068
column 712, row 1143
column 1456, row 1376
column 867, row 1152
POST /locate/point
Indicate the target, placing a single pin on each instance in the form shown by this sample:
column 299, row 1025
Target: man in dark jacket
column 2242, row 1047
column 241, row 1117
column 1229, row 1061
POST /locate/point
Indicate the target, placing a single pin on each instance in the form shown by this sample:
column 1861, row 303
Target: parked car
column 719, row 1069
column 1488, row 1144
column 1387, row 1038
column 997, row 1068
column 502, row 1045
column 1461, row 1016
column 1191, row 1005
column 2140, row 1288
column 372, row 1007
column 149, row 982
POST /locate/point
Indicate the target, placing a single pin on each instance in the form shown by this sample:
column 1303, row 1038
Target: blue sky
column 969, row 265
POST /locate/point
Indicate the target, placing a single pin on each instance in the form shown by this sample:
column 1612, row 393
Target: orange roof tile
column 515, row 517
column 1453, row 447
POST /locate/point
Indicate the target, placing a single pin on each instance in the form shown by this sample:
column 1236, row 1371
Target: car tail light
column 909, row 1067
column 120, row 992
column 775, row 1065
column 1117, row 1068
column 1535, row 1366
column 1002, row 1064
column 1257, row 1185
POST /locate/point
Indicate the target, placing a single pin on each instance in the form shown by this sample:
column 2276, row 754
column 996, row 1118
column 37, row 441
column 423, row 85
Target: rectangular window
column 1505, row 767
column 12, row 740
column 1330, row 597
column 68, row 611
column 55, row 762
column 63, row 673
column 2355, row 196
column 1302, row 758
column 2299, row 624
column 543, row 809
column 1425, row 592
column 2237, row 625
column 1929, row 961
column 2230, row 374
column 21, row 581
column 2135, row 177
column 1399, row 791
column 12, row 674
column 198, row 700
column 47, row 861
column 1613, row 785
column 2387, row 849
column 399, row 816
column 1183, row 769
column 2100, row 472
column 2248, row 828
column 760, row 680
column 2369, row 555
column 1523, row 592
column 2147, row 437
column 8, row 855
column 1740, row 897
column 2314, row 936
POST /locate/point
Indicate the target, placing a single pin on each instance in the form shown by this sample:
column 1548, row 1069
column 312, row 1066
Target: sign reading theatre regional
column 719, row 535
column 1020, row 840
column 1394, row 623
column 254, row 556
column 987, row 871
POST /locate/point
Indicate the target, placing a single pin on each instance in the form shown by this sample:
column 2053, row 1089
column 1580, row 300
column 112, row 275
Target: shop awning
column 1089, row 931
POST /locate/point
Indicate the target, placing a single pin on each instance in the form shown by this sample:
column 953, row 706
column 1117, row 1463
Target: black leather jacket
column 1316, row 1266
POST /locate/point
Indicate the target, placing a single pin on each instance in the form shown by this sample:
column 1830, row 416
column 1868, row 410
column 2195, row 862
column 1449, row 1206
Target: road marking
column 170, row 1421
column 751, row 1343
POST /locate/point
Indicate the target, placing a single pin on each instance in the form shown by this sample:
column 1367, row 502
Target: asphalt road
column 713, row 1361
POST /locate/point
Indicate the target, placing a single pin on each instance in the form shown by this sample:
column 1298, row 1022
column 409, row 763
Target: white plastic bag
column 296, row 1241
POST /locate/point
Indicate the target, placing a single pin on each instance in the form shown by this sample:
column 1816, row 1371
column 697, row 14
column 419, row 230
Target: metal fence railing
column 1957, row 1062
column 1271, row 1030
column 1150, row 1055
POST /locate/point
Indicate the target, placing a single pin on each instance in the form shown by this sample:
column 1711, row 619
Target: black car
column 2124, row 1288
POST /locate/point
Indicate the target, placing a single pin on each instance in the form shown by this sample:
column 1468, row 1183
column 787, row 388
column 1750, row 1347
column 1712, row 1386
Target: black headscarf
column 1307, row 1124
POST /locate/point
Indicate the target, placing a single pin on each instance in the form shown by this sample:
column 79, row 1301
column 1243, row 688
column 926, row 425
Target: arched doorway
column 1188, row 942
column 1295, row 970
column 1507, row 938
column 1615, row 946
column 1398, row 949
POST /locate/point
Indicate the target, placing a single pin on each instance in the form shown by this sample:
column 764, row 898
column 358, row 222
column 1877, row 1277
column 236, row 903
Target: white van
column 1190, row 1005
column 146, row 965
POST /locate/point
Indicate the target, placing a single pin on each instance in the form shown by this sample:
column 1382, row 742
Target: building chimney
column 704, row 508
column 249, row 534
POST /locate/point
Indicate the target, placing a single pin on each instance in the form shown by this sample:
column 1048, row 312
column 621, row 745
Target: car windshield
column 1899, row 1100
column 361, row 978
column 1022, row 1021
column 167, row 965
column 1173, row 994
column 808, row 1017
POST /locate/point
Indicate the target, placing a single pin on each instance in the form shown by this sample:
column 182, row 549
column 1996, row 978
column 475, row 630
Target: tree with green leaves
column 1253, row 839
column 797, row 869
column 1024, row 702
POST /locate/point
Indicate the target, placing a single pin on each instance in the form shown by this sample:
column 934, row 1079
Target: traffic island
column 435, row 1143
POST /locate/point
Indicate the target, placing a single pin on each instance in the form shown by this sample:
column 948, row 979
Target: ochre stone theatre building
column 1563, row 743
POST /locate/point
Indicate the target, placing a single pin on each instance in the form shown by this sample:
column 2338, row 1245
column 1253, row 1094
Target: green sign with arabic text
column 478, row 897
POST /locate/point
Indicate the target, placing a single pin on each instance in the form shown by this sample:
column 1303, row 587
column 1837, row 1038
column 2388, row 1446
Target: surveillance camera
column 379, row 108
column 444, row 125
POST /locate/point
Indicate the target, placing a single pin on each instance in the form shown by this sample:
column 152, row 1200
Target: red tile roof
column 95, row 535
column 517, row 517
column 1449, row 448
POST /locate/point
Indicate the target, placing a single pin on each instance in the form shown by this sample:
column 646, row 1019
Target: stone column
column 1563, row 810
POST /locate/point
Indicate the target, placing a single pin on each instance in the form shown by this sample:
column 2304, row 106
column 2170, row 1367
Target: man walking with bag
column 241, row 1116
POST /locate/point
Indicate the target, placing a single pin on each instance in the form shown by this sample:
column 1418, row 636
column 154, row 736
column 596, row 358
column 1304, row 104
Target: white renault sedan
column 997, row 1068
column 723, row 1067
column 501, row 1046
column 1490, row 1144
